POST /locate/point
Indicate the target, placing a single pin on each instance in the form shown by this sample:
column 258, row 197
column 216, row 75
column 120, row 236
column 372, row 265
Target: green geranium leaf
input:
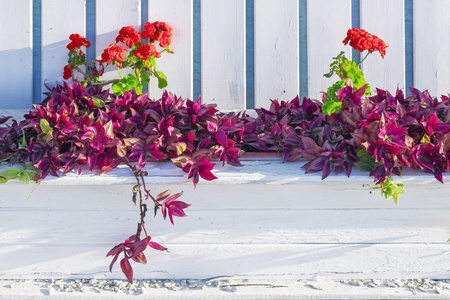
column 162, row 83
column 152, row 61
column 331, row 103
column 332, row 107
column 161, row 75
column 3, row 180
column 45, row 126
column 145, row 78
column 117, row 87
column 354, row 73
column 138, row 88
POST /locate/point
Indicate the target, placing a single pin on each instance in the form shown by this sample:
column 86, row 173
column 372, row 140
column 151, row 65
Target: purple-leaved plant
column 79, row 126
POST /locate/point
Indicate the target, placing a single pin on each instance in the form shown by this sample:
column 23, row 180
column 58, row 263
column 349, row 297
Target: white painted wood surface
column 328, row 22
column 55, row 37
column 223, row 53
column 223, row 35
column 177, row 67
column 16, row 54
column 385, row 19
column 277, row 60
column 252, row 221
column 112, row 15
column 431, row 58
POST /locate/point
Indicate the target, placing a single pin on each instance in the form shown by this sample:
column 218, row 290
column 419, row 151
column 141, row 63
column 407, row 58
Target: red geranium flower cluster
column 67, row 72
column 362, row 40
column 128, row 35
column 114, row 52
column 77, row 41
column 159, row 31
column 144, row 52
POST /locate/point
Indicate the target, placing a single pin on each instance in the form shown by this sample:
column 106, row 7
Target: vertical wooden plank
column 178, row 67
column 112, row 15
column 328, row 22
column 276, row 51
column 16, row 54
column 59, row 20
column 432, row 46
column 385, row 19
column 223, row 53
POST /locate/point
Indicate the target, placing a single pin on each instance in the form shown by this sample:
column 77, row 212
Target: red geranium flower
column 67, row 72
column 77, row 42
column 144, row 52
column 149, row 31
column 114, row 52
column 159, row 31
column 362, row 40
column 128, row 35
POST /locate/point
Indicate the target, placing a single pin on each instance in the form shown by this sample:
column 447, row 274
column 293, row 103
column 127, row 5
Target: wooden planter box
column 264, row 220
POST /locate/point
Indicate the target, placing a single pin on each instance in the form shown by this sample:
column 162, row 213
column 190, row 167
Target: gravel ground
column 226, row 288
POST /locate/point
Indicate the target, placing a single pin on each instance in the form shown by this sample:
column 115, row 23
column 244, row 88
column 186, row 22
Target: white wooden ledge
column 265, row 220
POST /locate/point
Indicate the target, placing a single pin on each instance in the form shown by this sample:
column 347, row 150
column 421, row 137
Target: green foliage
column 145, row 78
column 45, row 126
column 126, row 84
column 390, row 189
column 334, row 66
column 24, row 175
column 98, row 102
column 331, row 103
column 366, row 162
column 162, row 79
column 75, row 59
column 345, row 69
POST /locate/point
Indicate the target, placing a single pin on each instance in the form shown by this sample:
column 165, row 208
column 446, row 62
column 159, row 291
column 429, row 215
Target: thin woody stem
column 142, row 206
column 103, row 83
column 86, row 76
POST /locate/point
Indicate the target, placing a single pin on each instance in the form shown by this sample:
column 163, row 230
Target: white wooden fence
column 265, row 219
column 249, row 51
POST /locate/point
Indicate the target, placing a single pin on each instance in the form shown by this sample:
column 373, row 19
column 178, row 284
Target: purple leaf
column 157, row 246
column 127, row 269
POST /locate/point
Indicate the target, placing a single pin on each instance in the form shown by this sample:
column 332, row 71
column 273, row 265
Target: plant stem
column 103, row 83
column 137, row 72
column 118, row 70
column 142, row 206
column 86, row 76
column 354, row 55
column 363, row 58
